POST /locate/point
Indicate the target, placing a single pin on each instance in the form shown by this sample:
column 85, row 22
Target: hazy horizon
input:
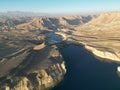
column 60, row 6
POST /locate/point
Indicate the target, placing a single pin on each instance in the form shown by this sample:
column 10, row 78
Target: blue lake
column 52, row 38
column 85, row 72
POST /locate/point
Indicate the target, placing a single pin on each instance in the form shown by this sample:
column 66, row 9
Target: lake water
column 85, row 72
column 52, row 38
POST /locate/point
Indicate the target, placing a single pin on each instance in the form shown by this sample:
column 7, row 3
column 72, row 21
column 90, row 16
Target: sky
column 60, row 6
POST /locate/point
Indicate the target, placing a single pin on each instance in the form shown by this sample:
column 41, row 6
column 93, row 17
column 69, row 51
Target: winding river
column 85, row 72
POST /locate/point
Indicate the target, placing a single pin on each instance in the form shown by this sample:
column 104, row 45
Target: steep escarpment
column 38, row 80
column 39, row 70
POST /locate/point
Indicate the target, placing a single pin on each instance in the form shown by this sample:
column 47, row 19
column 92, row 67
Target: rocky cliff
column 38, row 80
column 113, row 56
column 40, row 70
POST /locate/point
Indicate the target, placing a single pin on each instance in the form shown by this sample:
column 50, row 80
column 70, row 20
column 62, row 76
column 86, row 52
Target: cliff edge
column 40, row 70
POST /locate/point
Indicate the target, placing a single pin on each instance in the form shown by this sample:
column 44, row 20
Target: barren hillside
column 102, row 33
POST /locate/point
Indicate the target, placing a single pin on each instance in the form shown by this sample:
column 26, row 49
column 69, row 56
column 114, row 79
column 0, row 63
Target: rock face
column 104, row 54
column 39, row 80
column 39, row 71
column 118, row 68
column 38, row 47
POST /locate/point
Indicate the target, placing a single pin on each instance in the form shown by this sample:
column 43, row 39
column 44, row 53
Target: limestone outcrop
column 103, row 54
column 38, row 80
column 40, row 46
column 41, row 70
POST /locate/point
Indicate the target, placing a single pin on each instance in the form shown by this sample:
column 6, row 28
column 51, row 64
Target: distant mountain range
column 22, row 14
column 38, row 21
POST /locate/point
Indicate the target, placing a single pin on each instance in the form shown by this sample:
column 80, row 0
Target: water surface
column 85, row 72
column 52, row 38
